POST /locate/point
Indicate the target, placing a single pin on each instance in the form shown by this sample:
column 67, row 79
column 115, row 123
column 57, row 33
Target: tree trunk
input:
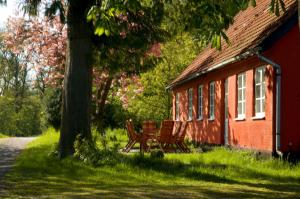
column 78, row 78
column 101, row 105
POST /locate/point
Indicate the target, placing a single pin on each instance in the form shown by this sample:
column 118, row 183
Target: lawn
column 220, row 173
column 3, row 136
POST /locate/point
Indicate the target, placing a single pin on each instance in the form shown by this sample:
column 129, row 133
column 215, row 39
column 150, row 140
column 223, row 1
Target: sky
column 8, row 10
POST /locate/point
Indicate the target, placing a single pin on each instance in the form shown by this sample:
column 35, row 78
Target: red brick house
column 248, row 94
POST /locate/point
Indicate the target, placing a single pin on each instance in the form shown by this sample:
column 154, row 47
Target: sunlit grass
column 3, row 136
column 220, row 173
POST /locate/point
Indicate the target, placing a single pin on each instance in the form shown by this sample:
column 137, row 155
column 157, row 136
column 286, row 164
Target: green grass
column 3, row 136
column 220, row 173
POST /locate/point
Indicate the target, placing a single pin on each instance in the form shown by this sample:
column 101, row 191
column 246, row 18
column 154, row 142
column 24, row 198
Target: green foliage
column 115, row 114
column 53, row 103
column 20, row 119
column 155, row 102
column 89, row 152
column 157, row 154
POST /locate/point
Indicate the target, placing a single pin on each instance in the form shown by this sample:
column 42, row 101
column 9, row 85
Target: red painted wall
column 286, row 52
column 250, row 133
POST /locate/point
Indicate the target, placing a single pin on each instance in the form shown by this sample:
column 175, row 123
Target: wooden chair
column 175, row 133
column 132, row 135
column 165, row 133
column 149, row 134
column 179, row 141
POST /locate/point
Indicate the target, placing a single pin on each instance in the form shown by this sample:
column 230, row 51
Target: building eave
column 232, row 60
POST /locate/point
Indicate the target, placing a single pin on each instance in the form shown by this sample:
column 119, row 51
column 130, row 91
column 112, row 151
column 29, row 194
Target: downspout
column 277, row 68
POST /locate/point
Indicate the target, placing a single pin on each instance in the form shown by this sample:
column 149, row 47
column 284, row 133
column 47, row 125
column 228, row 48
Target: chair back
column 182, row 132
column 149, row 127
column 176, row 128
column 166, row 130
column 130, row 129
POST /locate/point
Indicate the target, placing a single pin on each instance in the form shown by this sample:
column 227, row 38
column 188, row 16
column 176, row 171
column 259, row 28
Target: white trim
column 212, row 96
column 259, row 81
column 200, row 108
column 241, row 88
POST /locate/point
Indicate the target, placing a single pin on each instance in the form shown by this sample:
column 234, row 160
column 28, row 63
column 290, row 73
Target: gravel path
column 10, row 148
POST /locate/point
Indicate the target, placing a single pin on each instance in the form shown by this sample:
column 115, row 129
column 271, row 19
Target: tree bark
column 102, row 96
column 78, row 78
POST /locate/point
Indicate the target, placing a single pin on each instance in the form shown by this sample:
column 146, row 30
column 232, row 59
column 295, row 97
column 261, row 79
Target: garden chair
column 179, row 141
column 165, row 134
column 132, row 136
column 175, row 133
column 149, row 133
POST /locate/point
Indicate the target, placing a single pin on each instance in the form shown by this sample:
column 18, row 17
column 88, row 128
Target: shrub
column 87, row 151
column 22, row 118
column 53, row 103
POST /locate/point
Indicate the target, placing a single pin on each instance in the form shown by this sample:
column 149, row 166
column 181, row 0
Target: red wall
column 286, row 52
column 250, row 133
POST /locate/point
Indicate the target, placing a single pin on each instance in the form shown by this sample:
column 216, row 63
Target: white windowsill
column 189, row 120
column 240, row 119
column 200, row 119
column 211, row 119
column 258, row 117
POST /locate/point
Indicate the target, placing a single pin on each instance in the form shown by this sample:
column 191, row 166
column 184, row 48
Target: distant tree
column 148, row 98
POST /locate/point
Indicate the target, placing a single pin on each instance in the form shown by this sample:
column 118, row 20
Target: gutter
column 277, row 68
column 215, row 67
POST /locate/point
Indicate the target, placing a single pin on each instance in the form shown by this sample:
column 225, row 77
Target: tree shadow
column 48, row 177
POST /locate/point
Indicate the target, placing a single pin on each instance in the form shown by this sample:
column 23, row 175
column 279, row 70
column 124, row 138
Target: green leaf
column 283, row 5
column 277, row 11
column 107, row 32
column 253, row 3
column 99, row 31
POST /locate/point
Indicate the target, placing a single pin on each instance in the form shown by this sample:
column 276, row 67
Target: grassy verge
column 3, row 136
column 216, row 174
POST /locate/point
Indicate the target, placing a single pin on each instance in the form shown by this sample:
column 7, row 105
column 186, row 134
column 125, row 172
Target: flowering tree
column 41, row 46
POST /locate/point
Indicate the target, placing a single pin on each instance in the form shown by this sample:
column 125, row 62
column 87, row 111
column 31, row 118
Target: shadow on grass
column 39, row 175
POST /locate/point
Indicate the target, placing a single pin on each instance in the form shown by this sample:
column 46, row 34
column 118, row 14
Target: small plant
column 87, row 151
column 157, row 154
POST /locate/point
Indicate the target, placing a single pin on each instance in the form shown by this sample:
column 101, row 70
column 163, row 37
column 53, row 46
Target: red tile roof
column 249, row 29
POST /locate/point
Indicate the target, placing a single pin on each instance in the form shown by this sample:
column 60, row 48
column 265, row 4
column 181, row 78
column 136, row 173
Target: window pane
column 240, row 108
column 244, row 94
column 240, row 81
column 263, row 90
column 257, row 106
column 258, row 76
column 257, row 91
column 240, row 95
column 263, row 105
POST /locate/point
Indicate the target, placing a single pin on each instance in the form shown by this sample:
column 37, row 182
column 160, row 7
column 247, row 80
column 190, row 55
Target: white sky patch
column 10, row 9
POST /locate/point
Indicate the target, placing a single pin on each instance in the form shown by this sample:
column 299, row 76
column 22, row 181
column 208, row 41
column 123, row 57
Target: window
column 212, row 100
column 200, row 102
column 190, row 104
column 177, row 106
column 260, row 87
column 241, row 99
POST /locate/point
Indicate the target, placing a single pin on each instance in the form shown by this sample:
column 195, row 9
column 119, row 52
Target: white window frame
column 190, row 104
column 241, row 88
column 212, row 94
column 261, row 97
column 200, row 102
column 177, row 106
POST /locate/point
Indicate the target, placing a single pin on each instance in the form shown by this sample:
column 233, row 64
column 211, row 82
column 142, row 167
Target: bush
column 22, row 118
column 87, row 151
column 53, row 103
